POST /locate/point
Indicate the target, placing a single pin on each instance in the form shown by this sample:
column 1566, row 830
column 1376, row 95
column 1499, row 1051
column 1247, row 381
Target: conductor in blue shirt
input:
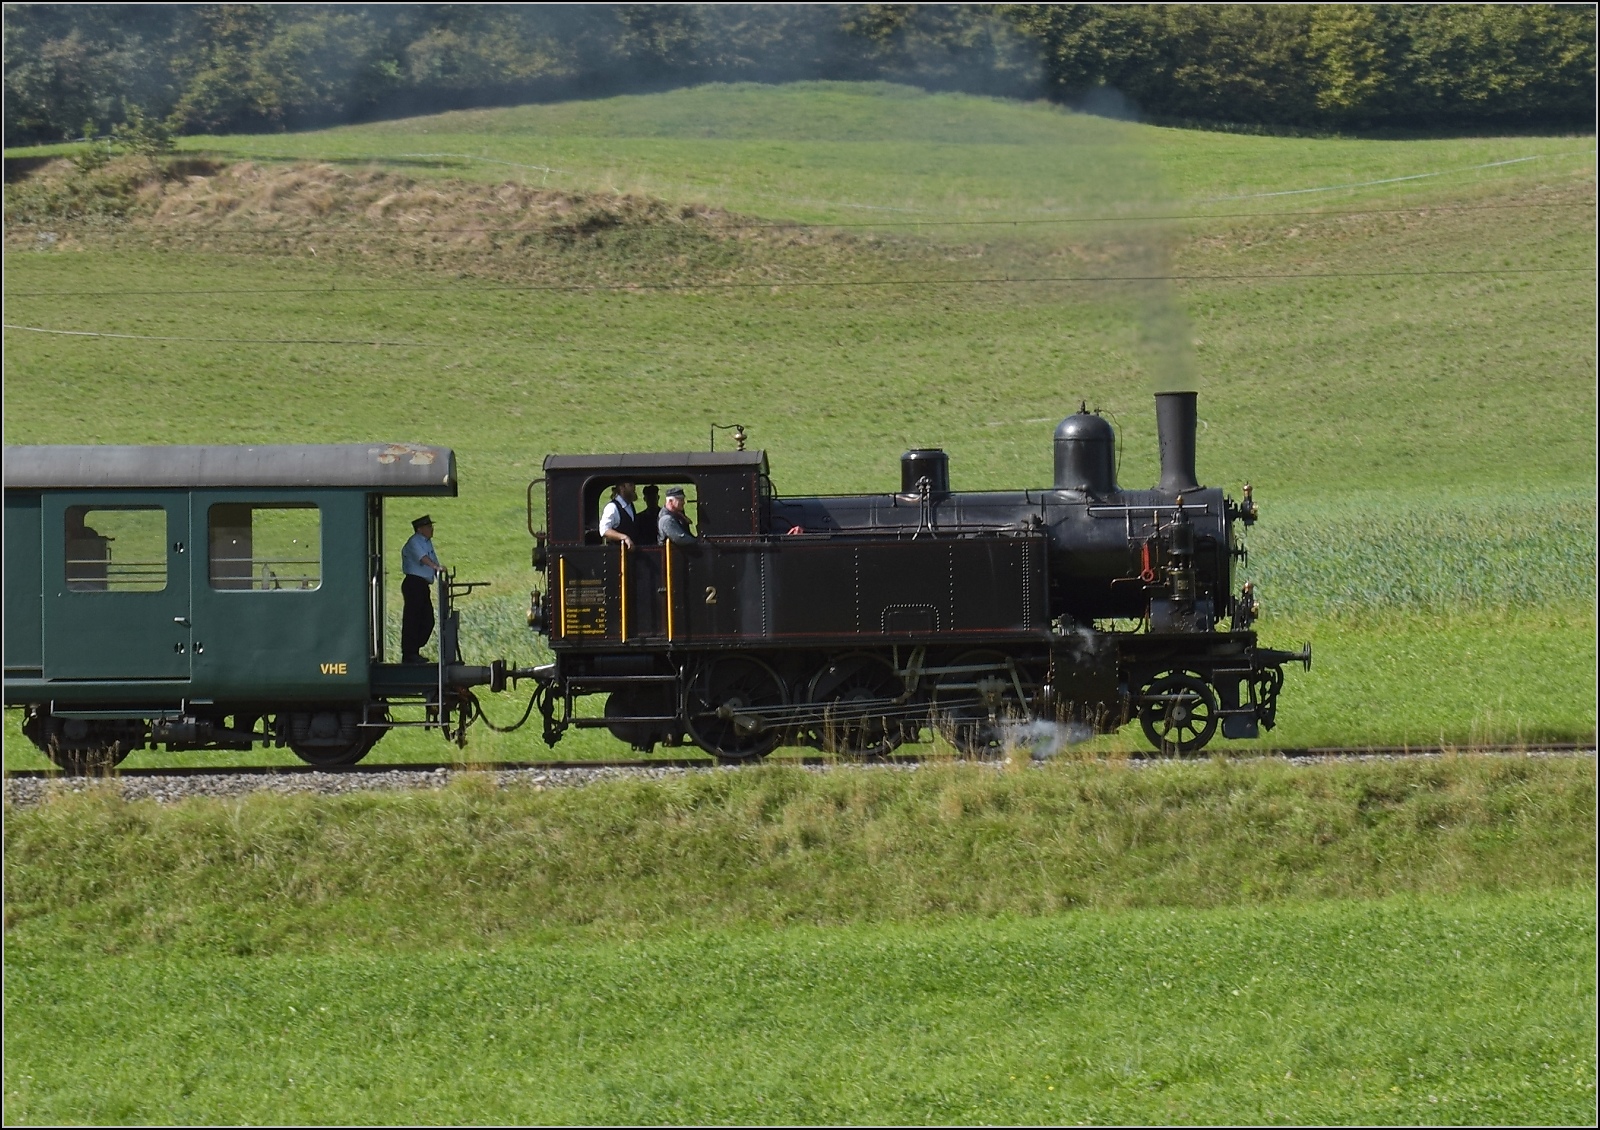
column 420, row 563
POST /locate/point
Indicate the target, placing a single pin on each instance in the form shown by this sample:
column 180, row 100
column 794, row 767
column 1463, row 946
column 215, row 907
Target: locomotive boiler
column 854, row 622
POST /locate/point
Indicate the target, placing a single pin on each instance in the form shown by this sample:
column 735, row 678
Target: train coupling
column 1272, row 657
column 471, row 675
column 544, row 674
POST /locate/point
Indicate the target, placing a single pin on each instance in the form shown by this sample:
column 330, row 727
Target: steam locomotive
column 853, row 623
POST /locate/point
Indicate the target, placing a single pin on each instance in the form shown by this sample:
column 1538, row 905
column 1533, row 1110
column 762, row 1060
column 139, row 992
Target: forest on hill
column 77, row 68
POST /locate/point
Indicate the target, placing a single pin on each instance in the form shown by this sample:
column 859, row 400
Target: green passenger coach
column 215, row 598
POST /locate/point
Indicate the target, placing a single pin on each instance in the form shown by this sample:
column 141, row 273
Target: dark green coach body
column 210, row 612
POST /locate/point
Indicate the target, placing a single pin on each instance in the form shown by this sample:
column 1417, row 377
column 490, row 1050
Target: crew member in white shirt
column 420, row 563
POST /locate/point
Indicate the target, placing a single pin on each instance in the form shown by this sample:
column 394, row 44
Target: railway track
column 1314, row 753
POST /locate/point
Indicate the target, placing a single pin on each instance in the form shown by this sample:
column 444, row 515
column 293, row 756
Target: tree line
column 205, row 68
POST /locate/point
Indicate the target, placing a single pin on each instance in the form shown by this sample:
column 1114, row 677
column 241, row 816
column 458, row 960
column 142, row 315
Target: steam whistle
column 1247, row 509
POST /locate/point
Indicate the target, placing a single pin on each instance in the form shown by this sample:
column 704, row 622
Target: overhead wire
column 213, row 340
column 772, row 284
column 1432, row 211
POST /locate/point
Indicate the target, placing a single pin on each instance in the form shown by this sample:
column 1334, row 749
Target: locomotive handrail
column 531, row 531
column 1155, row 508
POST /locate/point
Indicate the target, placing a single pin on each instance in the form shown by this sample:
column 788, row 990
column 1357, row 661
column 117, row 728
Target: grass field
column 476, row 864
column 1201, row 942
column 1474, row 1011
column 1421, row 439
column 1393, row 341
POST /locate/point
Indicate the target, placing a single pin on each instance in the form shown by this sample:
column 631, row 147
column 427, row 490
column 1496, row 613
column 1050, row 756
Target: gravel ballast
column 180, row 786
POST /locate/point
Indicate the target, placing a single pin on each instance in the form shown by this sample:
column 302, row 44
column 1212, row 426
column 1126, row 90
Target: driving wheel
column 974, row 709
column 734, row 707
column 859, row 712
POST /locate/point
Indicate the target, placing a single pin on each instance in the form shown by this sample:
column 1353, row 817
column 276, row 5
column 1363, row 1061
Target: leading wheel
column 1178, row 712
column 859, row 713
column 733, row 707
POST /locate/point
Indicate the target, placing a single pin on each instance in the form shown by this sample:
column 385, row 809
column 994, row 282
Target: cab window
column 265, row 548
column 122, row 549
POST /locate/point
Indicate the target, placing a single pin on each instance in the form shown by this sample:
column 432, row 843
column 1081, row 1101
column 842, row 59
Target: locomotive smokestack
column 1176, row 415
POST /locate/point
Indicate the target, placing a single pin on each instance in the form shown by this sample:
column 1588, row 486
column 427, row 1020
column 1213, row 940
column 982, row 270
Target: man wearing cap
column 673, row 525
column 420, row 563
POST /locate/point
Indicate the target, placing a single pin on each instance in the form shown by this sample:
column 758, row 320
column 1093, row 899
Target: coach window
column 266, row 548
column 116, row 550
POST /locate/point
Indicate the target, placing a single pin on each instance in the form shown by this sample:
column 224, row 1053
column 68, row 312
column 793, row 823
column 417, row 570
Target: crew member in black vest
column 644, row 524
column 618, row 518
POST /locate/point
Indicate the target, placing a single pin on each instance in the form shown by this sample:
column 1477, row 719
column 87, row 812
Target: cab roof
column 720, row 460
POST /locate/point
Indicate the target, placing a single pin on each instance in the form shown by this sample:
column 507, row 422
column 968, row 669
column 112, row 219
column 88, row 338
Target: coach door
column 115, row 571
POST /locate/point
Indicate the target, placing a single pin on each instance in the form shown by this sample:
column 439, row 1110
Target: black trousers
column 417, row 623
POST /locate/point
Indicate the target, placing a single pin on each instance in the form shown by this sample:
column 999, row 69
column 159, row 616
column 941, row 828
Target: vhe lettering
column 335, row 668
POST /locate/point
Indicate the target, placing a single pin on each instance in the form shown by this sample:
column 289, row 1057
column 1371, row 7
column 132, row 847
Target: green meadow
column 1209, row 942
column 1393, row 343
column 1460, row 1012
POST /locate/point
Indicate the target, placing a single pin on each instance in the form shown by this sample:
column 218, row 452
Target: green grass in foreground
column 1467, row 1011
column 471, row 864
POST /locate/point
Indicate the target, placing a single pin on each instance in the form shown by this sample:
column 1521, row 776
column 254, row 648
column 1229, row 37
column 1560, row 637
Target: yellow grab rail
column 561, row 596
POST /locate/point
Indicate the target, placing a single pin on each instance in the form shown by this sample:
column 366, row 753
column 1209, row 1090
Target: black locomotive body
column 851, row 623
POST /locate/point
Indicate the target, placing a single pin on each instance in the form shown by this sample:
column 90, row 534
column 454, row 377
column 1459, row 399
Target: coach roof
column 400, row 468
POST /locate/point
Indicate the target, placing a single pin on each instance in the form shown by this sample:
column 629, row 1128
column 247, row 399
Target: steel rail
column 706, row 761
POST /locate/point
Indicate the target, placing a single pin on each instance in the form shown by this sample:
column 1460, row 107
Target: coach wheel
column 859, row 714
column 329, row 739
column 83, row 747
column 975, row 710
column 1179, row 713
column 733, row 707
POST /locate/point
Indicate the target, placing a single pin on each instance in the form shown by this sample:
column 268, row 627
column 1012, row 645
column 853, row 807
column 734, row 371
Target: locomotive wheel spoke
column 1178, row 712
column 730, row 707
column 855, row 694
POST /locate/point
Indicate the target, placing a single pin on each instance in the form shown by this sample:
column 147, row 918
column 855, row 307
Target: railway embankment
column 478, row 862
